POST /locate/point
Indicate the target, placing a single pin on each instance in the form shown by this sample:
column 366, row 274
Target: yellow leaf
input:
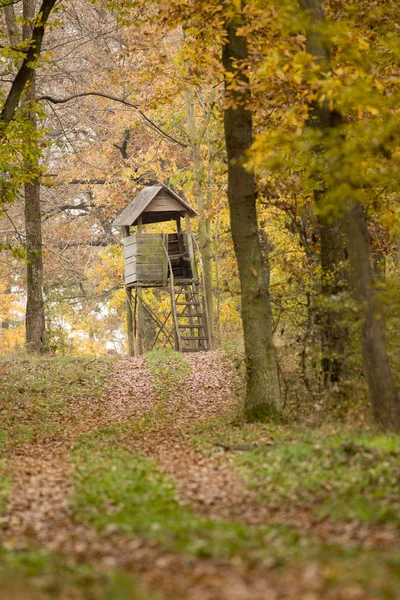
column 373, row 110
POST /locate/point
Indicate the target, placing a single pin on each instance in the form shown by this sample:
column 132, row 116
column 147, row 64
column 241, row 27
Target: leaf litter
column 39, row 512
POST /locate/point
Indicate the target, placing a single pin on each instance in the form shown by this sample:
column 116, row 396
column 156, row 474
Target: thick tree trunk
column 263, row 393
column 382, row 387
column 34, row 320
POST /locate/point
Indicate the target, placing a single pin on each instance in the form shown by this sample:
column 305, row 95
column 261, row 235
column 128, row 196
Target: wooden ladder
column 191, row 329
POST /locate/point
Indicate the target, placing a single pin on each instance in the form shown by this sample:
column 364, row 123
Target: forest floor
column 134, row 479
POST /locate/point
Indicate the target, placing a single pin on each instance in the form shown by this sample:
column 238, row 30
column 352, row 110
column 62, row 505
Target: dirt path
column 39, row 510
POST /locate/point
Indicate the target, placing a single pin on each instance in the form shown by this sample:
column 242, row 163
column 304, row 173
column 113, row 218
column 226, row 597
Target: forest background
column 126, row 94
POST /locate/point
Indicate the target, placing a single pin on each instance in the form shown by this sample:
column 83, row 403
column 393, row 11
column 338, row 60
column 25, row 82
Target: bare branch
column 83, row 206
column 115, row 99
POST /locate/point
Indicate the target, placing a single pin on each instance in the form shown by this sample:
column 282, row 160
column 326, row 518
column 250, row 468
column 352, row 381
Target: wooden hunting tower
column 163, row 260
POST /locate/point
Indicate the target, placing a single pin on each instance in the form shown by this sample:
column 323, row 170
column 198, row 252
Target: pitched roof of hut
column 167, row 205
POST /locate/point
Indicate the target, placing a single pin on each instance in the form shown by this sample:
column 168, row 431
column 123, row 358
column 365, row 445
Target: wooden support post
column 181, row 245
column 130, row 322
column 130, row 325
column 140, row 312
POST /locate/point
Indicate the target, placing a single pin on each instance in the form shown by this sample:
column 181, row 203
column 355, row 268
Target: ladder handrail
column 204, row 292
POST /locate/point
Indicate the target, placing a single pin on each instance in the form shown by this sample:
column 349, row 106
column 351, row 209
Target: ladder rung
column 185, row 292
column 198, row 315
column 191, row 326
column 187, row 303
column 193, row 337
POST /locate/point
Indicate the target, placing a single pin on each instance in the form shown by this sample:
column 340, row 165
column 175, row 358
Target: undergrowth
column 123, row 492
column 118, row 488
column 169, row 371
column 343, row 475
column 43, row 575
column 39, row 395
column 340, row 476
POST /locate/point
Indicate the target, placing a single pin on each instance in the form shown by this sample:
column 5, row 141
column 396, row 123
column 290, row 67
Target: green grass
column 127, row 491
column 338, row 474
column 169, row 371
column 42, row 575
column 4, row 486
column 114, row 486
column 343, row 477
column 4, row 476
column 40, row 395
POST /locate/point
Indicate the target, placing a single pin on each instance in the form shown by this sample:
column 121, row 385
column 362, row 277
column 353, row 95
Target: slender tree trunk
column 381, row 384
column 379, row 376
column 204, row 240
column 263, row 393
column 11, row 24
column 334, row 334
column 217, row 285
column 34, row 320
column 204, row 223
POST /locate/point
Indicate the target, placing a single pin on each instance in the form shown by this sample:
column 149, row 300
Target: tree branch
column 115, row 99
column 83, row 206
column 9, row 3
column 28, row 65
column 123, row 148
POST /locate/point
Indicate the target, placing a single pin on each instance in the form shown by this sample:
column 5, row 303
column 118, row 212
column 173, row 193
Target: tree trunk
column 26, row 70
column 204, row 241
column 262, row 393
column 34, row 320
column 334, row 334
column 381, row 384
column 11, row 24
column 204, row 223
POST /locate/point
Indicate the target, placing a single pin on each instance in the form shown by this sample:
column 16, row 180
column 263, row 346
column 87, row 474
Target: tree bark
column 11, row 24
column 34, row 319
column 262, row 393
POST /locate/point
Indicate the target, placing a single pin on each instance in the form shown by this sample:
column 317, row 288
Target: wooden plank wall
column 145, row 258
column 130, row 259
